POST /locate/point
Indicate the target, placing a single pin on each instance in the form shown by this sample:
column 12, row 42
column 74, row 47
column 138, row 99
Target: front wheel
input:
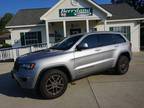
column 53, row 84
column 122, row 65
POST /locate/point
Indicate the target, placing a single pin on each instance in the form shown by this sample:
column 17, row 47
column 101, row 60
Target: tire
column 122, row 65
column 53, row 84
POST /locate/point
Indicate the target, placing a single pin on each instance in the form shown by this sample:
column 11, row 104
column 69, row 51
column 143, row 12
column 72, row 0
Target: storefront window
column 31, row 38
column 122, row 29
column 93, row 29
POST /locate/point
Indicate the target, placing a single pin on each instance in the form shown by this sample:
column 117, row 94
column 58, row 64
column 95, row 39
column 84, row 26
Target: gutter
column 24, row 26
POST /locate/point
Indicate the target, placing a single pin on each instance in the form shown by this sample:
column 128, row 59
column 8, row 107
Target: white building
column 34, row 26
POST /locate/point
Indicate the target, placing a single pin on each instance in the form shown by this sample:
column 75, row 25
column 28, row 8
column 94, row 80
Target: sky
column 13, row 6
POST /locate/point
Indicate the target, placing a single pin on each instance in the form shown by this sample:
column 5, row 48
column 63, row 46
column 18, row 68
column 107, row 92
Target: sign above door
column 71, row 12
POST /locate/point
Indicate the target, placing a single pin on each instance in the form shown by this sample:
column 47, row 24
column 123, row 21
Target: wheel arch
column 61, row 67
column 127, row 54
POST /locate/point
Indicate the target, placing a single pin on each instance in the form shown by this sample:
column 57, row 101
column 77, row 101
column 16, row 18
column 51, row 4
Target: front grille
column 16, row 66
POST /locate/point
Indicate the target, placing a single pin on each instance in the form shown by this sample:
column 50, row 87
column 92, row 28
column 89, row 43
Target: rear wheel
column 122, row 65
column 53, row 84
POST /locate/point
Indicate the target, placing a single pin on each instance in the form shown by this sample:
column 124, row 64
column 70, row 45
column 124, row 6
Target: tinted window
column 125, row 30
column 91, row 40
column 118, row 38
column 105, row 39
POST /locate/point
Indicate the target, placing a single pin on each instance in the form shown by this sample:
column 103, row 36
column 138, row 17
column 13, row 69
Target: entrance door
column 75, row 31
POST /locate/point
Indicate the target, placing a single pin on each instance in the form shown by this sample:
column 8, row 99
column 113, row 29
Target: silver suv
column 77, row 56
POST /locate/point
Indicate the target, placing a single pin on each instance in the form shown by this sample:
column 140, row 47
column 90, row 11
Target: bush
column 5, row 45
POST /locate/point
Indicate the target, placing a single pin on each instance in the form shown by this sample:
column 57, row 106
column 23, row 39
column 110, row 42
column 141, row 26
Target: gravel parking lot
column 97, row 91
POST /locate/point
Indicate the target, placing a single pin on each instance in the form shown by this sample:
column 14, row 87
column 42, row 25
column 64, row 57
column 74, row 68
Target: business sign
column 71, row 12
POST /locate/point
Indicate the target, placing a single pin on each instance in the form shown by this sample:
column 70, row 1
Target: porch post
column 105, row 25
column 64, row 28
column 87, row 26
column 47, row 33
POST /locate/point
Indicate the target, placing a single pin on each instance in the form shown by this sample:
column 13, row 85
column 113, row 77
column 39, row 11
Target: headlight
column 27, row 66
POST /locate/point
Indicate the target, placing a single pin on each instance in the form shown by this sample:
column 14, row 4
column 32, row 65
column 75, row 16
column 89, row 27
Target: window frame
column 85, row 38
column 113, row 40
column 100, row 44
column 31, row 38
column 122, row 38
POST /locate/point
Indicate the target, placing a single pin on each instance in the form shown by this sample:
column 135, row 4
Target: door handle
column 116, row 46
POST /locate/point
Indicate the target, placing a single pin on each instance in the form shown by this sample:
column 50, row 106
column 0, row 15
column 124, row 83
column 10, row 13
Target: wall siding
column 15, row 34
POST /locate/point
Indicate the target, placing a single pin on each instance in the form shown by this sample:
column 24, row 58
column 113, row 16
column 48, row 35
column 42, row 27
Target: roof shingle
column 121, row 11
column 28, row 17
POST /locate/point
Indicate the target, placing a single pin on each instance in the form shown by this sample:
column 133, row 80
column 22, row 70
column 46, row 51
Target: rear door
column 108, row 47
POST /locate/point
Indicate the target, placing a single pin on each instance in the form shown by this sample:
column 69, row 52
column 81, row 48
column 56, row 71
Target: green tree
column 4, row 20
column 137, row 4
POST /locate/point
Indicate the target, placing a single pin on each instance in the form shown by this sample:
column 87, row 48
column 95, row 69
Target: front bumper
column 24, row 79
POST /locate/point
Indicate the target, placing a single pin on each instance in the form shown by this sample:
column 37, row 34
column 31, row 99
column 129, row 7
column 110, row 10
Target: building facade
column 67, row 17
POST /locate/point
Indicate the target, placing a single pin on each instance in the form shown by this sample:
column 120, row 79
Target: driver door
column 86, row 59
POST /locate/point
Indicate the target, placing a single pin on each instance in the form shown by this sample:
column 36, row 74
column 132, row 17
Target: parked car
column 49, row 71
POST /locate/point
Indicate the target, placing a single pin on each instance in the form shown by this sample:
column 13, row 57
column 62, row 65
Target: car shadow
column 110, row 72
column 9, row 87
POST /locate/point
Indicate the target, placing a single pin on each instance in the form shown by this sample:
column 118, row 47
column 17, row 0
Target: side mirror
column 82, row 47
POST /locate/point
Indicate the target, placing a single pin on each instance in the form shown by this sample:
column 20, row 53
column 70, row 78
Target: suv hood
column 30, row 57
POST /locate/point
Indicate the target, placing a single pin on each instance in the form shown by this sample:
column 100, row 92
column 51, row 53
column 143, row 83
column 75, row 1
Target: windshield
column 67, row 43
